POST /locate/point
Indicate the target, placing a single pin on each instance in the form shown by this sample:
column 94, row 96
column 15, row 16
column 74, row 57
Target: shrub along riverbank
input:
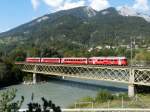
column 105, row 99
column 9, row 74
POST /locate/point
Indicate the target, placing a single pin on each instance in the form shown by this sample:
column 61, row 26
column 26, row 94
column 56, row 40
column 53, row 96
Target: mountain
column 81, row 27
column 80, row 12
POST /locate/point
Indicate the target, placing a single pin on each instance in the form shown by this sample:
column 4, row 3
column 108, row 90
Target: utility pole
column 131, row 76
column 122, row 102
column 131, row 61
column 131, row 44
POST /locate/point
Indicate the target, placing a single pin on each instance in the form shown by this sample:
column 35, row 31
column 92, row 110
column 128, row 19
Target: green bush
column 104, row 96
column 122, row 95
column 27, row 77
column 7, row 103
column 87, row 99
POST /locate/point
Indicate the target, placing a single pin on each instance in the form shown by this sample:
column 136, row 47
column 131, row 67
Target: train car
column 74, row 60
column 121, row 61
column 33, row 60
column 51, row 60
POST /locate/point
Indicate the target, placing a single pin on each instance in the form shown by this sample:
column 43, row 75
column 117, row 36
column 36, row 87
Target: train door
column 119, row 61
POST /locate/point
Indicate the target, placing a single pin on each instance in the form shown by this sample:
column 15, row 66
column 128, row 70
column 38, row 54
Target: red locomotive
column 118, row 61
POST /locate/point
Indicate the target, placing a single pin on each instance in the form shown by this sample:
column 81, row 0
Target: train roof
column 49, row 58
column 74, row 58
column 110, row 57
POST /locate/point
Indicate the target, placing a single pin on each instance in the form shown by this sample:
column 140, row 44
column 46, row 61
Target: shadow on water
column 88, row 85
column 3, row 86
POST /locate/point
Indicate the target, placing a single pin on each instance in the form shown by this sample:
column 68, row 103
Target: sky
column 16, row 12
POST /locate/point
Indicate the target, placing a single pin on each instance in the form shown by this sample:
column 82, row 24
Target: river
column 64, row 92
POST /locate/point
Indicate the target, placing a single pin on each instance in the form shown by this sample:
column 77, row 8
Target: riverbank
column 105, row 99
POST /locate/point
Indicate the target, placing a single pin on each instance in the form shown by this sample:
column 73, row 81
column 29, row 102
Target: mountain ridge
column 82, row 25
column 85, row 14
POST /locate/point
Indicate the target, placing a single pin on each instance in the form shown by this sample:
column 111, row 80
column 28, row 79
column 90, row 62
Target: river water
column 64, row 92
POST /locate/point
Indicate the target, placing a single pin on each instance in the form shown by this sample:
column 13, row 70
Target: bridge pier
column 34, row 78
column 35, row 75
column 131, row 90
column 63, row 77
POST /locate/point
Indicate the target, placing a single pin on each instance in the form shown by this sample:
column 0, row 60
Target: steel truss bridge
column 129, row 75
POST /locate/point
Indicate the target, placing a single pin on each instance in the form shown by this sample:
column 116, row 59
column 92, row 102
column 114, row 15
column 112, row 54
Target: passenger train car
column 74, row 61
column 117, row 61
column 51, row 60
column 107, row 61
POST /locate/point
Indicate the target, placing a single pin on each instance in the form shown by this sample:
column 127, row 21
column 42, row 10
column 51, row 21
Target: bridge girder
column 136, row 75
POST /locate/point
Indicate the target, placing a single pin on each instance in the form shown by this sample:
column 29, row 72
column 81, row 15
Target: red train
column 118, row 61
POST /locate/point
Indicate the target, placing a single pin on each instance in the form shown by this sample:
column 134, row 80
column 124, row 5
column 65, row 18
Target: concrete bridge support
column 34, row 78
column 34, row 75
column 131, row 88
column 63, row 77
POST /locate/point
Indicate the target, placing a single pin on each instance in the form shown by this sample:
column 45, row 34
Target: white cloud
column 99, row 4
column 54, row 3
column 141, row 5
column 4, row 30
column 68, row 5
column 35, row 4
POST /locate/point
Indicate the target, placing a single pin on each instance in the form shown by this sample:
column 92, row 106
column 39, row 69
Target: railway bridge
column 129, row 75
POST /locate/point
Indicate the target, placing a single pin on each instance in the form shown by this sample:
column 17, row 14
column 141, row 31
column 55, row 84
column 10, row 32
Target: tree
column 6, row 101
column 47, row 105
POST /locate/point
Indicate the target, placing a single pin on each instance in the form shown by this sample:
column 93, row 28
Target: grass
column 105, row 99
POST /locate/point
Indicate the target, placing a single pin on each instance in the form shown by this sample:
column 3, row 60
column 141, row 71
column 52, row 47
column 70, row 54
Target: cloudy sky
column 16, row 12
